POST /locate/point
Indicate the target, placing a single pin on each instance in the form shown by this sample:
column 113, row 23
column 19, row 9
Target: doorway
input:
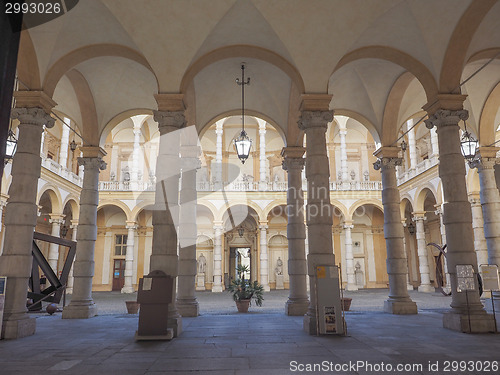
column 118, row 274
column 240, row 256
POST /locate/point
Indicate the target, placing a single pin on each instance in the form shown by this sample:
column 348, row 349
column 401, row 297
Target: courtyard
column 264, row 341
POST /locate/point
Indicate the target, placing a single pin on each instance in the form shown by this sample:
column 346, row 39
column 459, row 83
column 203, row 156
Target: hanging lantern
column 469, row 145
column 11, row 147
column 242, row 142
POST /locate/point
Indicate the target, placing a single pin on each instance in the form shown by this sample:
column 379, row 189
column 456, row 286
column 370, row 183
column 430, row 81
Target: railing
column 126, row 186
column 65, row 173
column 419, row 168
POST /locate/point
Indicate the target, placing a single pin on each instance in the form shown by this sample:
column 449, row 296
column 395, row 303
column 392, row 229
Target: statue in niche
column 202, row 263
column 339, row 176
column 366, row 175
column 126, row 174
column 112, row 176
column 279, row 267
column 360, row 280
column 353, row 175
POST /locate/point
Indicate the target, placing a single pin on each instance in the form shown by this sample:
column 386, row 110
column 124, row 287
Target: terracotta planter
column 346, row 303
column 132, row 307
column 243, row 305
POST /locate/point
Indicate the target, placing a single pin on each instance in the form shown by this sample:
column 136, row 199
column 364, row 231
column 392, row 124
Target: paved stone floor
column 264, row 341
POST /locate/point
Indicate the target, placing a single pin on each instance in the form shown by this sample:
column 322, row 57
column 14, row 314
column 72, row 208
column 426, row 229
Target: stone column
column 56, row 220
column 190, row 162
column 349, row 257
column 80, row 167
column 399, row 301
column 82, row 305
column 423, row 258
column 409, row 286
column 21, row 214
column 134, row 172
column 170, row 119
column 217, row 284
column 262, row 155
column 412, row 145
column 217, row 177
column 264, row 260
column 343, row 155
column 457, row 215
column 490, row 203
column 298, row 300
column 434, row 142
column 129, row 258
column 69, row 287
column 314, row 120
column 478, row 229
column 63, row 152
column 42, row 143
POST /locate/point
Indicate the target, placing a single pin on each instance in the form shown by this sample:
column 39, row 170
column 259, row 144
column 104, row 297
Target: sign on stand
column 330, row 320
column 491, row 283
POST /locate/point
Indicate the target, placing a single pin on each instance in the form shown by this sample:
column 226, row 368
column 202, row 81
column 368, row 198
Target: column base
column 16, row 329
column 400, row 307
column 409, row 287
column 216, row 288
column 76, row 310
column 128, row 289
column 188, row 307
column 351, row 287
column 310, row 324
column 296, row 308
column 426, row 288
column 479, row 323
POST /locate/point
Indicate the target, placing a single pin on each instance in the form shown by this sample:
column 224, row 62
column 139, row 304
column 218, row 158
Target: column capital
column 33, row 116
column 131, row 225
column 56, row 219
column 388, row 157
column 92, row 163
column 74, row 223
column 485, row 158
column 293, row 163
column 418, row 216
column 404, row 223
column 137, row 131
column 34, row 99
column 343, row 132
column 170, row 102
column 439, row 210
column 315, row 119
column 474, row 200
column 446, row 117
column 348, row 225
column 263, row 225
column 453, row 102
column 169, row 121
column 219, row 127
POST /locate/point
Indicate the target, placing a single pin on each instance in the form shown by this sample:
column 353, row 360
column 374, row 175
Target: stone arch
column 139, row 207
column 119, row 118
column 487, row 124
column 75, row 57
column 421, row 196
column 341, row 207
column 248, row 112
column 415, row 67
column 73, row 203
column 242, row 51
column 362, row 202
column 54, row 196
column 361, row 119
column 239, row 202
column 119, row 204
column 406, row 200
column 454, row 58
column 28, row 71
column 90, row 133
column 271, row 206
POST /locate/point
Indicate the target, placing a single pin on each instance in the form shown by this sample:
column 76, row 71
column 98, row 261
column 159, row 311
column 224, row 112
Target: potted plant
column 244, row 290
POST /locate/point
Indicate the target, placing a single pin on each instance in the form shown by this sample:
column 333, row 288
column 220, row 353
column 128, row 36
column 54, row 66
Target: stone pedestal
column 399, row 301
column 280, row 284
column 200, row 281
column 293, row 163
column 457, row 215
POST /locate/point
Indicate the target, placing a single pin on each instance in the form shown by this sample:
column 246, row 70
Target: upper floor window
column 120, row 244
